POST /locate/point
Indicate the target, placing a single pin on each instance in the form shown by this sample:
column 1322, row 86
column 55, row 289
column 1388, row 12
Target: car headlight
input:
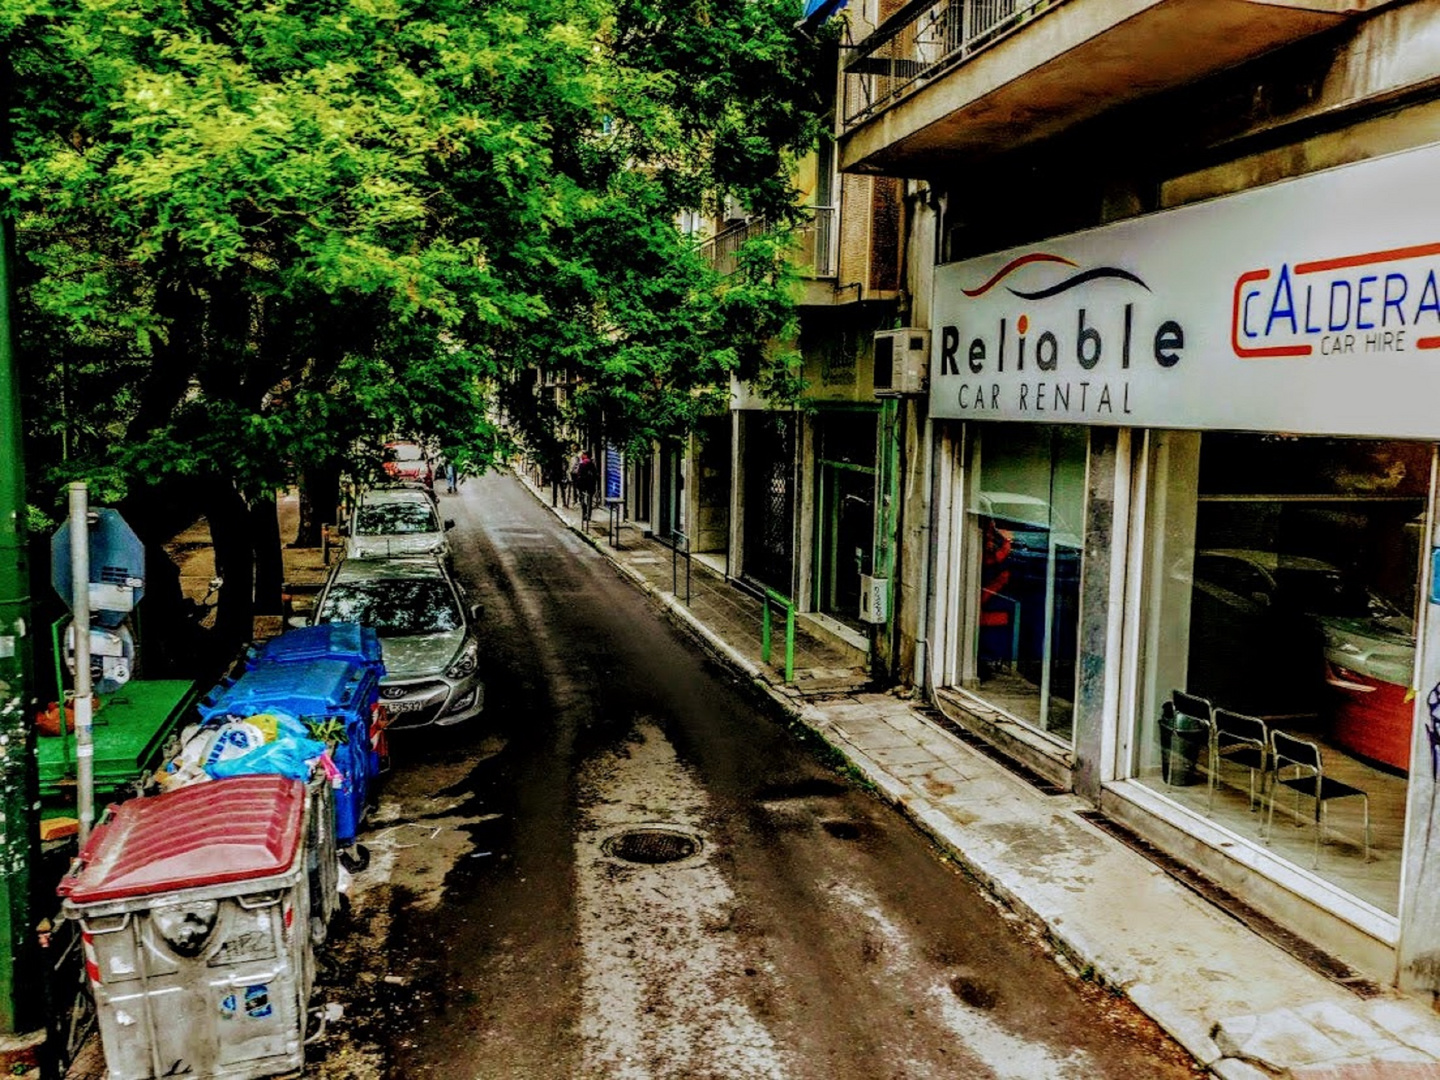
column 465, row 661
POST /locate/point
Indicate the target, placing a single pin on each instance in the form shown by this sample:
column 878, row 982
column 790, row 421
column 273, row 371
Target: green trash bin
column 1181, row 738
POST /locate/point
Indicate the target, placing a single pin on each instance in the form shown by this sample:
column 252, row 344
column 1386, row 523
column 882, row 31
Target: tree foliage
column 258, row 236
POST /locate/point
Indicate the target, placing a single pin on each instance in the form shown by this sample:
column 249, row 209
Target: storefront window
column 1025, row 518
column 1281, row 590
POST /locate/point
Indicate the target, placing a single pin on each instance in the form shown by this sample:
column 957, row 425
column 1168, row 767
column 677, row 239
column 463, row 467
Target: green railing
column 773, row 597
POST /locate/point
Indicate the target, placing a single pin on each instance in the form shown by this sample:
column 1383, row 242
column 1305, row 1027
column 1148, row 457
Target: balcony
column 815, row 243
column 817, row 240
column 940, row 84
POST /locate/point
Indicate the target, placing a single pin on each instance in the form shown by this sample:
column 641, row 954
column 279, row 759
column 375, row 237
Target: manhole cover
column 651, row 846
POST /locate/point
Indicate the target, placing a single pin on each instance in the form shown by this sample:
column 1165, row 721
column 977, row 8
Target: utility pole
column 19, row 828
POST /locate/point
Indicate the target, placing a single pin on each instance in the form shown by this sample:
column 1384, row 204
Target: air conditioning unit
column 874, row 599
column 902, row 361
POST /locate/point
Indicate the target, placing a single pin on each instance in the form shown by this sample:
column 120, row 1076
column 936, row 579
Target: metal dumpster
column 198, row 911
column 131, row 729
column 316, row 691
column 328, row 641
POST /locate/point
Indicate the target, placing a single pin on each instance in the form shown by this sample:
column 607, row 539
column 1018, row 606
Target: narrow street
column 812, row 933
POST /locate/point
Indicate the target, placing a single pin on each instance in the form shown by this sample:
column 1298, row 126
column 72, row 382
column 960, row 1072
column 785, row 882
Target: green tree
column 258, row 236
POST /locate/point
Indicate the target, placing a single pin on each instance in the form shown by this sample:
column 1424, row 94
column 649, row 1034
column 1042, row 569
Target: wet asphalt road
column 815, row 934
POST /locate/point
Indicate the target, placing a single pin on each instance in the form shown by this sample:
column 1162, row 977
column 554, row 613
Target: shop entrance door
column 846, row 537
column 672, row 494
column 642, row 489
column 770, row 499
column 844, row 512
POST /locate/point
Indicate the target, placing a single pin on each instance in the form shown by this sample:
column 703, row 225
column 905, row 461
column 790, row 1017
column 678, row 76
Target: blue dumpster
column 329, row 641
column 335, row 698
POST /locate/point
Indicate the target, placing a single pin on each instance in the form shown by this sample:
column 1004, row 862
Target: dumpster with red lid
column 195, row 909
column 231, row 830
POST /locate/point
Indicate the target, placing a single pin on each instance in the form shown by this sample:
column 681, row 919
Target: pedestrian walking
column 452, row 477
column 558, row 468
column 584, row 476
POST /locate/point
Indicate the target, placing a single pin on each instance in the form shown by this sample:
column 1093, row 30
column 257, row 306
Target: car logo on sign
column 392, row 692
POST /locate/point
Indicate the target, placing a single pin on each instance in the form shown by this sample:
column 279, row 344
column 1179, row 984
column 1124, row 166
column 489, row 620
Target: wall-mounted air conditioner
column 902, row 361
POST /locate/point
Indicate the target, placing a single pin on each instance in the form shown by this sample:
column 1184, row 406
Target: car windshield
column 393, row 606
column 406, row 452
column 395, row 518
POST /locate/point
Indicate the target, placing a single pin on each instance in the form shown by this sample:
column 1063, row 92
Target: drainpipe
column 19, row 828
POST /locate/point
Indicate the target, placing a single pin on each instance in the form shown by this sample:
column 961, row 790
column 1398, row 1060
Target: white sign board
column 1309, row 306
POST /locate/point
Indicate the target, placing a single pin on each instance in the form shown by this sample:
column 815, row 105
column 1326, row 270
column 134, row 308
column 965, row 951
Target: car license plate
column 404, row 706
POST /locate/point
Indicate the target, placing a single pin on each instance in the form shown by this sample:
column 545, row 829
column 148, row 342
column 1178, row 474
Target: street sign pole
column 80, row 605
column 19, row 828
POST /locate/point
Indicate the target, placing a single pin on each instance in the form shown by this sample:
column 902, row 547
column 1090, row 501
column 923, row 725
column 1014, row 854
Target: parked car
column 409, row 461
column 396, row 521
column 1281, row 634
column 426, row 630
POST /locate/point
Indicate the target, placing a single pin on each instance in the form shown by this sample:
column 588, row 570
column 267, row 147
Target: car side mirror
column 449, row 524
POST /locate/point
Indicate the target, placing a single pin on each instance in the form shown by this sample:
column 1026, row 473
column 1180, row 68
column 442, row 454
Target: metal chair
column 1296, row 764
column 1245, row 740
column 1188, row 706
column 1194, row 706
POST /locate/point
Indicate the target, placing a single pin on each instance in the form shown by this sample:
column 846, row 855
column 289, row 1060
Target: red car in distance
column 407, row 462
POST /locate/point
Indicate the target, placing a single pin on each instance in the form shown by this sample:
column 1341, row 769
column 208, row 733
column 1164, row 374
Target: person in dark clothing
column 584, row 477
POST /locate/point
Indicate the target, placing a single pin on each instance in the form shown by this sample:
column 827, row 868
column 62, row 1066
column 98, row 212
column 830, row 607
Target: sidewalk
column 1242, row 1006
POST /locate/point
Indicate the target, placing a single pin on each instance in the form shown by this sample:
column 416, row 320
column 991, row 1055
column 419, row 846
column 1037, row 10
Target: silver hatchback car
column 396, row 521
column 426, row 631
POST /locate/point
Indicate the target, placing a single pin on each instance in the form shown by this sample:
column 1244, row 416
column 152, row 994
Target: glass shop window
column 1278, row 642
column 1025, row 530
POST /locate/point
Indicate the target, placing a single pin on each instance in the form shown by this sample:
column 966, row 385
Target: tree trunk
column 319, row 496
column 173, row 355
column 230, row 531
column 269, row 566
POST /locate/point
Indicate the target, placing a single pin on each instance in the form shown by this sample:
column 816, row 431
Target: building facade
column 1178, row 265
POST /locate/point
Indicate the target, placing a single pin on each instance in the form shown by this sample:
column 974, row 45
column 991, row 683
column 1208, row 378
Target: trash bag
column 286, row 756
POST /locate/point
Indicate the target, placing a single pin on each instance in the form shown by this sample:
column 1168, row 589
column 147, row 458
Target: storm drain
column 651, row 846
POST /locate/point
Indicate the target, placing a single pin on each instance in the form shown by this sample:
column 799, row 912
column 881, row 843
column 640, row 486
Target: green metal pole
column 789, row 643
column 19, row 827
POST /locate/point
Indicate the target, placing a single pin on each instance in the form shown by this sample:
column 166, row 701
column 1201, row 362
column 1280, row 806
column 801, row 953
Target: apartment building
column 1176, row 262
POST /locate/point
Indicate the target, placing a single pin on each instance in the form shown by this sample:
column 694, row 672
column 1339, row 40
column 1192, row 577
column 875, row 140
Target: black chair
column 1296, row 764
column 1244, row 740
column 1192, row 705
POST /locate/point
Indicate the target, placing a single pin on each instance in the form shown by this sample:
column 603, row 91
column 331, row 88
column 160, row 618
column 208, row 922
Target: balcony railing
column 817, row 242
column 919, row 42
column 815, row 239
column 722, row 249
